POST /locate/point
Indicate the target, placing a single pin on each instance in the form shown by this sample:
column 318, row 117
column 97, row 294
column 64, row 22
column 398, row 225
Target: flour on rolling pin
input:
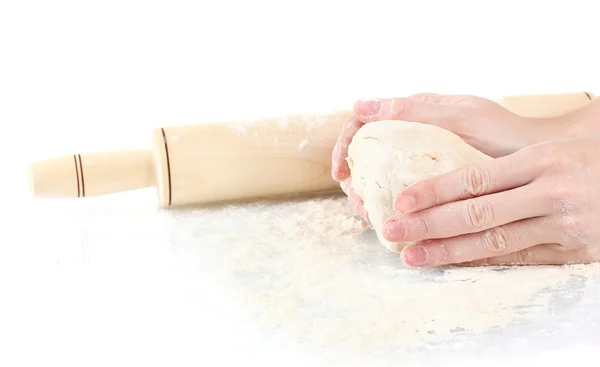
column 312, row 273
column 309, row 122
column 304, row 144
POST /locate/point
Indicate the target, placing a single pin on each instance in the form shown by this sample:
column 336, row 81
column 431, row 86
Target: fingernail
column 368, row 108
column 405, row 203
column 414, row 255
column 393, row 230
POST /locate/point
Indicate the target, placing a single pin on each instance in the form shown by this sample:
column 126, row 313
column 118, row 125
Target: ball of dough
column 385, row 157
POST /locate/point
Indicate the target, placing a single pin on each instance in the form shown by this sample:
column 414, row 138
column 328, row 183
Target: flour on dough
column 385, row 157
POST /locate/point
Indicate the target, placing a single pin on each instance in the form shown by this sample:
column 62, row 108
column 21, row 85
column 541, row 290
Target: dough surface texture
column 385, row 157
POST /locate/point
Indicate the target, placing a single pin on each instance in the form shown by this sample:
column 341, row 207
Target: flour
column 309, row 122
column 304, row 144
column 283, row 122
column 314, row 274
column 241, row 127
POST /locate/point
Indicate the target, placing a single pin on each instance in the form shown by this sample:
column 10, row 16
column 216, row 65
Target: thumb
column 413, row 109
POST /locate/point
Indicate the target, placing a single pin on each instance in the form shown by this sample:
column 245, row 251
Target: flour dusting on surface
column 309, row 271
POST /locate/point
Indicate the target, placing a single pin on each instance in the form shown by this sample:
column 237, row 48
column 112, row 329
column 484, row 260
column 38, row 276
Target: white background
column 99, row 75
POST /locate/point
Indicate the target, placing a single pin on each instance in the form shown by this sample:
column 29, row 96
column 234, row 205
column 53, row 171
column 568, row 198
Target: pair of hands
column 537, row 202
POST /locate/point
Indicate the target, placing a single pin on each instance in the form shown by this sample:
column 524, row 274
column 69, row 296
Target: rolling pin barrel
column 209, row 163
column 546, row 105
column 222, row 162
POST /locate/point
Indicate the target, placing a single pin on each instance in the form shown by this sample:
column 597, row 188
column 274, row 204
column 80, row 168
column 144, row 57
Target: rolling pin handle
column 91, row 174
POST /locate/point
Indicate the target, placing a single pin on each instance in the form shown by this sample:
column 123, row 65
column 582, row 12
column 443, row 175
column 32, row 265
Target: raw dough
column 385, row 157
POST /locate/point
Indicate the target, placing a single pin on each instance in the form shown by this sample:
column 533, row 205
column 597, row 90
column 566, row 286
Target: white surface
column 101, row 282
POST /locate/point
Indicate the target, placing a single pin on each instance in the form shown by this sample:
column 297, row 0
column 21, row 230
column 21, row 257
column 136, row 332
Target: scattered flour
column 283, row 122
column 304, row 144
column 316, row 121
column 241, row 127
column 312, row 272
column 310, row 122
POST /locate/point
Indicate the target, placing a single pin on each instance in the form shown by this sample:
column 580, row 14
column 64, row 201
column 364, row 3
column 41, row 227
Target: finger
column 545, row 254
column 492, row 242
column 486, row 177
column 345, row 184
column 429, row 97
column 339, row 167
column 455, row 99
column 446, row 115
column 357, row 204
column 441, row 98
column 354, row 200
column 468, row 216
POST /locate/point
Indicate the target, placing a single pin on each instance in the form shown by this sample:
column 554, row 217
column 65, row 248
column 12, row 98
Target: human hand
column 484, row 124
column 355, row 201
column 340, row 170
column 539, row 205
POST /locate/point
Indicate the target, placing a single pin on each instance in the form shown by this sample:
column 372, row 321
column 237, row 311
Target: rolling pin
column 218, row 162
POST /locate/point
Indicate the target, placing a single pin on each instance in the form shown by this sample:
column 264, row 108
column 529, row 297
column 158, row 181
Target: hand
column 484, row 124
column 355, row 201
column 340, row 170
column 539, row 205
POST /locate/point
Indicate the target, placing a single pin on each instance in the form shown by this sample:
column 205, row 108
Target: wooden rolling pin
column 209, row 163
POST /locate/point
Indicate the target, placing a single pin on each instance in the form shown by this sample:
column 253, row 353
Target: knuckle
column 400, row 107
column 525, row 256
column 476, row 180
column 531, row 153
column 572, row 223
column 423, row 226
column 425, row 97
column 559, row 193
column 494, row 240
column 444, row 253
column 569, row 204
column 427, row 192
column 561, row 161
column 568, row 196
column 434, row 196
column 553, row 157
column 543, row 162
column 478, row 213
column 574, row 231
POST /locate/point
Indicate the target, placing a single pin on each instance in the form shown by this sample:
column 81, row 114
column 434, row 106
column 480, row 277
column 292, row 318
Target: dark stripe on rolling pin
column 77, row 176
column 82, row 181
column 588, row 95
column 168, row 162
